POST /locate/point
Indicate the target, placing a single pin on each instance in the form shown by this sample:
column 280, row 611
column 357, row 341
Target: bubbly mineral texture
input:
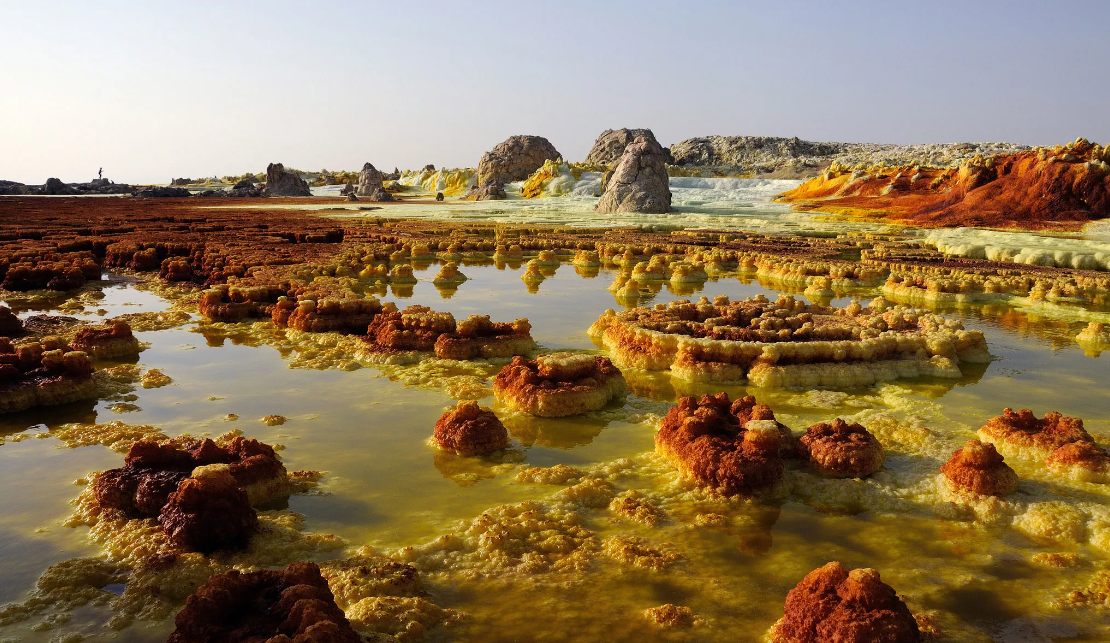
column 44, row 373
column 788, row 343
column 979, row 469
column 106, row 342
column 733, row 447
column 1063, row 186
column 639, row 182
column 841, row 450
column 477, row 336
column 416, row 328
column 558, row 384
column 209, row 511
column 831, row 604
column 469, row 429
column 329, row 315
column 290, row 605
column 153, row 470
column 1023, row 435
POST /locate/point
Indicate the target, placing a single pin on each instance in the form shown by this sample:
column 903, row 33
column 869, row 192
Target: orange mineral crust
column 733, row 447
column 44, row 373
column 328, row 315
column 106, row 342
column 1060, row 187
column 979, row 469
column 208, row 512
column 283, row 606
column 832, row 605
column 416, row 328
column 477, row 336
column 469, row 429
column 1032, row 437
column 841, row 450
column 559, row 384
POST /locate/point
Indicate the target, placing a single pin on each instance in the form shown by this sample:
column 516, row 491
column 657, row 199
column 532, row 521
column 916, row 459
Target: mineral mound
column 732, row 447
column 44, row 373
column 469, row 429
column 1058, row 441
column 979, row 469
column 294, row 604
column 559, row 384
column 831, row 604
column 208, row 512
column 105, row 342
column 841, row 450
column 477, row 336
column 1062, row 187
column 788, row 343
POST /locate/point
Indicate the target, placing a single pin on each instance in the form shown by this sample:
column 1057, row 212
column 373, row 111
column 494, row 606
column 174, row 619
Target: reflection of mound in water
column 751, row 522
column 559, row 433
column 469, row 470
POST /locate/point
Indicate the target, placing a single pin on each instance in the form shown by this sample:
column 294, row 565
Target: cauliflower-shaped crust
column 326, row 315
column 152, row 471
column 416, row 328
column 978, row 469
column 841, row 450
column 831, row 604
column 285, row 606
column 733, row 447
column 209, row 512
column 43, row 373
column 477, row 336
column 1023, row 435
column 107, row 342
column 1083, row 461
column 559, row 384
column 469, row 429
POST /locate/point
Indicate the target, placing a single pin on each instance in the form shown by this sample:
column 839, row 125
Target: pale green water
column 388, row 488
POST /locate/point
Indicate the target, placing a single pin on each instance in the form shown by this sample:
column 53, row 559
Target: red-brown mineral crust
column 209, row 512
column 153, row 471
column 327, row 315
column 293, row 605
column 43, row 373
column 979, row 469
column 832, row 605
column 107, row 342
column 416, row 328
column 1023, row 430
column 841, row 450
column 732, row 447
column 469, row 429
column 1063, row 186
column 10, row 326
column 477, row 336
column 559, row 384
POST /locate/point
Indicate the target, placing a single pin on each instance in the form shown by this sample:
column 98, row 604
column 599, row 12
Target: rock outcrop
column 370, row 184
column 514, row 159
column 640, row 182
column 1061, row 187
column 611, row 143
column 282, row 183
column 793, row 158
column 159, row 192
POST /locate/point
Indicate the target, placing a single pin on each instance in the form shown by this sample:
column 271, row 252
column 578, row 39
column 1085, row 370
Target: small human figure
column 100, row 173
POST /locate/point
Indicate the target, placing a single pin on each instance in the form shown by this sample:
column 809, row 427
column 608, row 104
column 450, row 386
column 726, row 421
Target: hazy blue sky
column 152, row 90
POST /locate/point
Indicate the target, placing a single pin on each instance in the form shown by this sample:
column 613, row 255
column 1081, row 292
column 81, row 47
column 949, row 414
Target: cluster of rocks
column 514, row 159
column 370, row 184
column 282, row 183
column 55, row 187
column 244, row 188
column 778, row 157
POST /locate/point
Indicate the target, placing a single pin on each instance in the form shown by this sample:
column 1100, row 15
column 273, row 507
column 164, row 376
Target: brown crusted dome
column 1023, row 430
column 477, row 336
column 416, row 328
column 833, row 605
column 1087, row 456
column 43, row 373
column 10, row 325
column 978, row 468
column 105, row 342
column 153, row 471
column 559, row 384
column 294, row 604
column 209, row 512
column 841, row 449
column 469, row 429
column 326, row 315
column 729, row 446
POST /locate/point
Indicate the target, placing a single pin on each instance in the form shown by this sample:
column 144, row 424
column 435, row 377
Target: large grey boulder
column 639, row 183
column 514, row 159
column 611, row 143
column 282, row 183
column 370, row 184
column 55, row 186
